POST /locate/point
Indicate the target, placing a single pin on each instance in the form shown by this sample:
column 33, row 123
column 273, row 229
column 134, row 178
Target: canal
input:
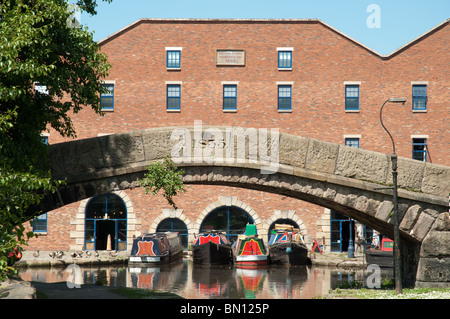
column 193, row 281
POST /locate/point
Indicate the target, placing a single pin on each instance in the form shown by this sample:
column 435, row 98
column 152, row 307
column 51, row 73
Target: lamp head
column 397, row 100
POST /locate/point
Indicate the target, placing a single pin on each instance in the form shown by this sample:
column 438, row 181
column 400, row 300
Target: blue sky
column 394, row 22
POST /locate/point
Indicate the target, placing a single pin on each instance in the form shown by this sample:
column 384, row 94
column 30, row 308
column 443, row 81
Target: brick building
column 300, row 76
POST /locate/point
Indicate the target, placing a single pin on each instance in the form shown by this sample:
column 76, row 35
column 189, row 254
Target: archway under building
column 106, row 223
column 283, row 221
column 175, row 225
column 232, row 220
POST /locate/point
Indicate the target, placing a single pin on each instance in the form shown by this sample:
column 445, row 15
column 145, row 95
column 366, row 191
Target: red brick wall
column 322, row 60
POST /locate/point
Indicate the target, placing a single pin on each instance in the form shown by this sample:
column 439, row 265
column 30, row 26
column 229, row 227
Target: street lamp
column 397, row 255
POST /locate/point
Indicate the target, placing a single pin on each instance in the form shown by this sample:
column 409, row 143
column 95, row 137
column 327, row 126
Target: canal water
column 194, row 281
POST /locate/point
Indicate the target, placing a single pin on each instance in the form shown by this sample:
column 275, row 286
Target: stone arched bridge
column 345, row 179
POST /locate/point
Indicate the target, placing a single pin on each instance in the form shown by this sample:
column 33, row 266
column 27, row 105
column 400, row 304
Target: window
column 284, row 97
column 173, row 96
column 175, row 225
column 107, row 98
column 419, row 149
column 285, row 60
column 40, row 224
column 352, row 141
column 173, row 59
column 106, row 223
column 231, row 220
column 44, row 138
column 352, row 97
column 419, row 97
column 229, row 97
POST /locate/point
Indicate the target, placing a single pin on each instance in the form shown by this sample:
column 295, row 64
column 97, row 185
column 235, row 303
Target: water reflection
column 210, row 282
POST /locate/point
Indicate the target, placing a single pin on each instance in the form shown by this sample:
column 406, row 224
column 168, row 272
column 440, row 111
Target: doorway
column 340, row 232
column 106, row 217
column 103, row 229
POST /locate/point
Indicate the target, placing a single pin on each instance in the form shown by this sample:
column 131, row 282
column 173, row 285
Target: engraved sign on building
column 230, row 57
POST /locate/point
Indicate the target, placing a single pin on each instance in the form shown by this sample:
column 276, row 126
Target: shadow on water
column 211, row 282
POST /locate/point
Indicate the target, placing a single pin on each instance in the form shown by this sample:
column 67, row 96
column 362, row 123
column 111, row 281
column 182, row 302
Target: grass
column 415, row 293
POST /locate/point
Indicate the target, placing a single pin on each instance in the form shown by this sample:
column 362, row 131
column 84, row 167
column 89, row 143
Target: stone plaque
column 230, row 57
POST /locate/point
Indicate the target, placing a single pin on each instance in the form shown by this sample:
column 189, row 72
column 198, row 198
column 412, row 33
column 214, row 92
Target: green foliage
column 39, row 45
column 163, row 176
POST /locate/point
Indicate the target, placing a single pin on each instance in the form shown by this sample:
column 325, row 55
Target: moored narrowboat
column 212, row 248
column 383, row 257
column 156, row 248
column 249, row 250
column 286, row 246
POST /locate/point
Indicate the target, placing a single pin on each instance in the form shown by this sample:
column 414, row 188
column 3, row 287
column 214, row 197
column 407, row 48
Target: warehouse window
column 229, row 97
column 175, row 225
column 173, row 59
column 40, row 224
column 352, row 97
column 352, row 141
column 419, row 93
column 173, row 97
column 284, row 97
column 419, row 149
column 285, row 60
column 107, row 98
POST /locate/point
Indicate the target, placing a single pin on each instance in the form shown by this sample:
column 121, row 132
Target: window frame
column 284, row 109
column 102, row 96
column 229, row 98
column 352, row 141
column 282, row 61
column 40, row 223
column 424, row 151
column 169, row 99
column 177, row 64
column 417, row 98
column 351, row 98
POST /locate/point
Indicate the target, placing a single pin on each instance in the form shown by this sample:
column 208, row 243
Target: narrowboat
column 286, row 246
column 383, row 257
column 156, row 248
column 212, row 248
column 249, row 250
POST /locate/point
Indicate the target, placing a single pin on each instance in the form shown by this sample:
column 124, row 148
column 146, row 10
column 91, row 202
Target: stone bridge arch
column 334, row 176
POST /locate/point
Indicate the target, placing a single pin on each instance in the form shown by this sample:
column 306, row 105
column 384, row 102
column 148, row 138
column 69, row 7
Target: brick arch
column 229, row 201
column 173, row 213
column 79, row 234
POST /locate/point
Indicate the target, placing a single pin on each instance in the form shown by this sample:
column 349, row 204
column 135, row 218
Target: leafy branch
column 163, row 176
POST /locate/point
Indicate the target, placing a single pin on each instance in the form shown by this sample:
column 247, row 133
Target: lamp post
column 397, row 255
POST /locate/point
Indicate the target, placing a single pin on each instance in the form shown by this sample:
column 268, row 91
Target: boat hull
column 156, row 249
column 212, row 254
column 252, row 261
column 384, row 259
column 156, row 260
column 288, row 254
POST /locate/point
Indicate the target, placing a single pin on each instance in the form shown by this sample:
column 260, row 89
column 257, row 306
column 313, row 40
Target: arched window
column 229, row 219
column 106, row 223
column 175, row 225
column 285, row 221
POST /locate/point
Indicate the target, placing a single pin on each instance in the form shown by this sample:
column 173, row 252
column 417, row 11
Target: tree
column 163, row 176
column 48, row 70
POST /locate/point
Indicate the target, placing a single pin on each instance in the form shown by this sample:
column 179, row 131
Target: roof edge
column 203, row 20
